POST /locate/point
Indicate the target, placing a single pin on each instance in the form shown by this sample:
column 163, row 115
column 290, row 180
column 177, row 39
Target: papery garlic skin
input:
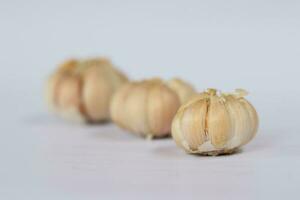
column 212, row 124
column 145, row 108
column 81, row 90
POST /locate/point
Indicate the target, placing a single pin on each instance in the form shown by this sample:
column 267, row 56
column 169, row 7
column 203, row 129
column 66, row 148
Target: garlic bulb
column 81, row 90
column 212, row 124
column 146, row 107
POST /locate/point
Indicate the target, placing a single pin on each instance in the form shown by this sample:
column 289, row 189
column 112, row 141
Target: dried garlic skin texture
column 81, row 90
column 146, row 108
column 213, row 124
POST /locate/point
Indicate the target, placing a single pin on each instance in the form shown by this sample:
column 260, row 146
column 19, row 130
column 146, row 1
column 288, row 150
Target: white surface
column 253, row 45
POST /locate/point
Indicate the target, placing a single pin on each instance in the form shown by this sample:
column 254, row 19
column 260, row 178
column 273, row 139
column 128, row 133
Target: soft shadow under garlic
column 219, row 153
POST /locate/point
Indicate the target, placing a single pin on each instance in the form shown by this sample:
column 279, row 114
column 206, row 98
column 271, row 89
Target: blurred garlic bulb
column 146, row 107
column 81, row 90
column 212, row 124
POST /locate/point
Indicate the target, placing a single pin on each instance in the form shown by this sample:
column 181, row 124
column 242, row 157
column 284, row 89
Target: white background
column 223, row 44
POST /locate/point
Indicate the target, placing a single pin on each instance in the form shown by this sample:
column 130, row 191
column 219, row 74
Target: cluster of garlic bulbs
column 147, row 107
column 208, row 123
column 213, row 124
column 81, row 90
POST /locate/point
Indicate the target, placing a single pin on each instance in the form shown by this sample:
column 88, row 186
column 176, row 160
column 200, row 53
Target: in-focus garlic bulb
column 148, row 107
column 212, row 124
column 81, row 90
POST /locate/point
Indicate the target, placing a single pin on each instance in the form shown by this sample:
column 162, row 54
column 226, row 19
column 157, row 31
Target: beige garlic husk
column 212, row 123
column 81, row 90
column 147, row 107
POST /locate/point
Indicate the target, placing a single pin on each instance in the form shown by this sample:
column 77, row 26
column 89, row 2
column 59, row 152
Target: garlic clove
column 218, row 123
column 193, row 124
column 54, row 81
column 68, row 97
column 252, row 120
column 240, row 125
column 171, row 103
column 117, row 108
column 176, row 132
column 96, row 94
column 161, row 110
column 69, row 92
column 135, row 109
